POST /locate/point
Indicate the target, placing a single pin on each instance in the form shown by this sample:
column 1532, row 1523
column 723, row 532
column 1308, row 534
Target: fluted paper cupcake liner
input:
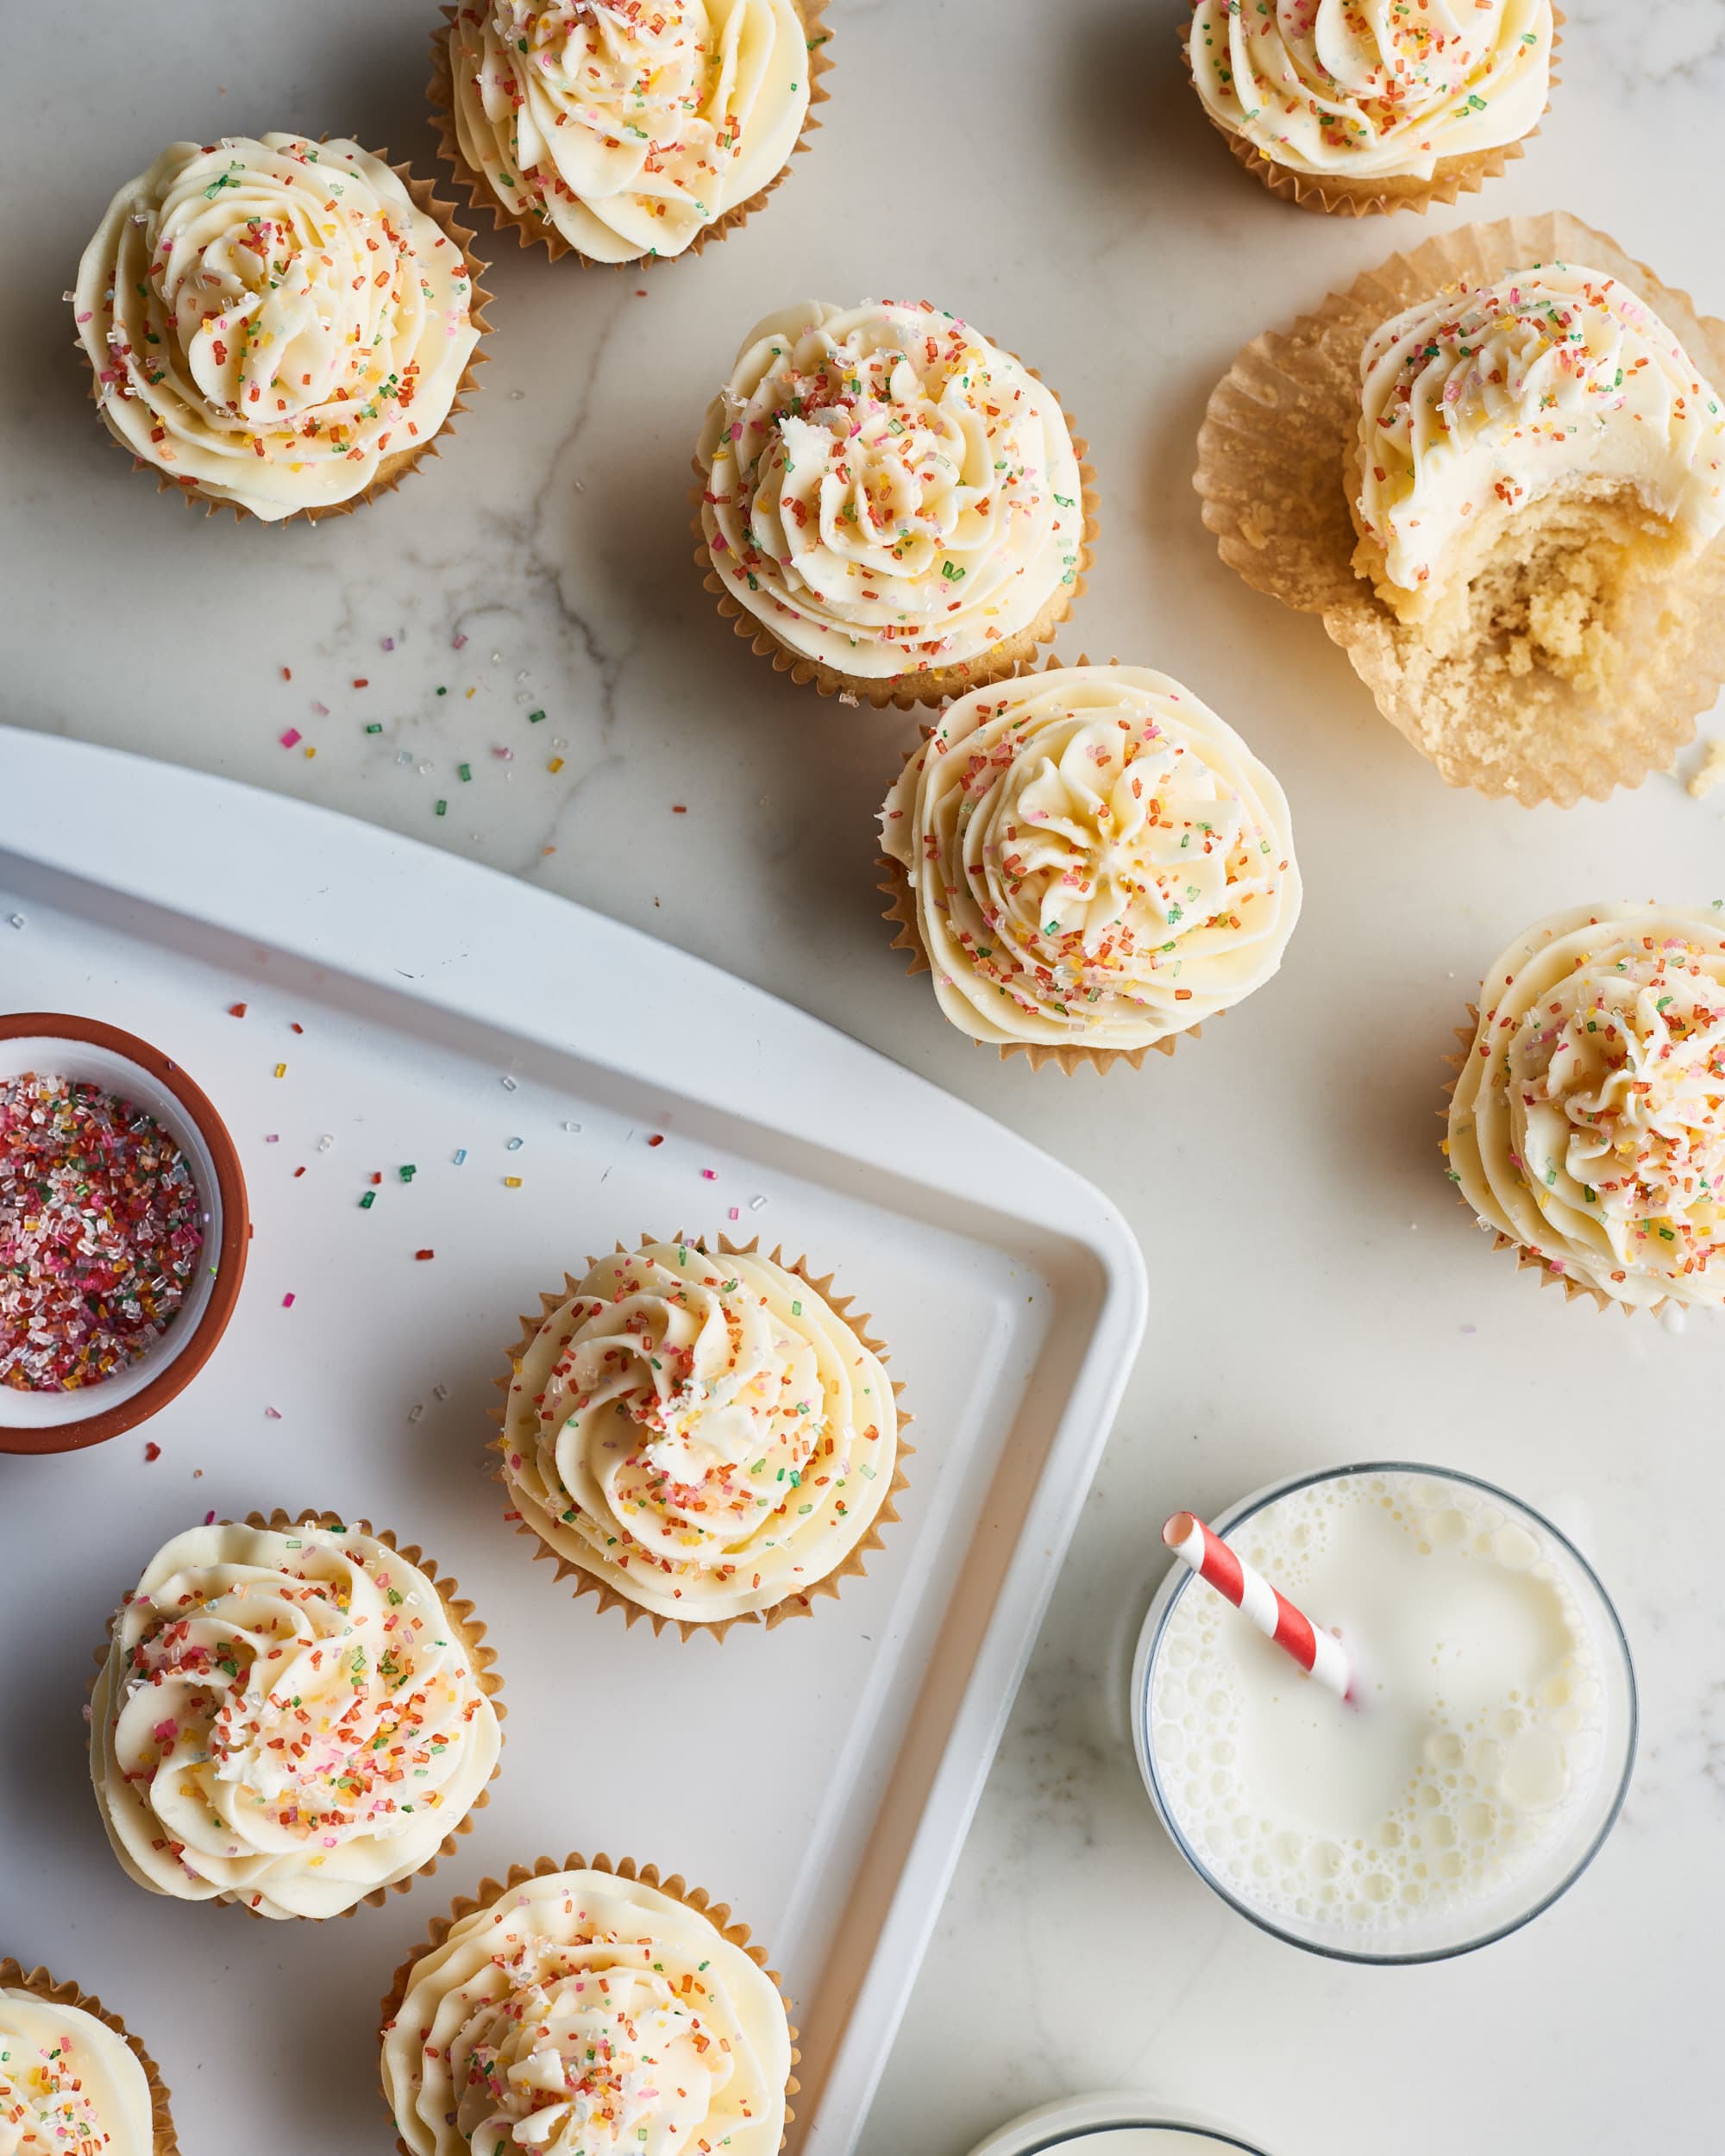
column 14, row 1977
column 852, row 1565
column 467, row 1629
column 1276, row 472
column 901, row 912
column 1012, row 654
column 1332, row 194
column 532, row 231
column 675, row 1887
column 1552, row 1273
column 395, row 466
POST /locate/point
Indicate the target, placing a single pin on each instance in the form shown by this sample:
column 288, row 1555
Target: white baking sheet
column 820, row 1778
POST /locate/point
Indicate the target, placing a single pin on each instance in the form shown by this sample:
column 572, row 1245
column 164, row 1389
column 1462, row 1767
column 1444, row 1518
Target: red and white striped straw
column 1318, row 1654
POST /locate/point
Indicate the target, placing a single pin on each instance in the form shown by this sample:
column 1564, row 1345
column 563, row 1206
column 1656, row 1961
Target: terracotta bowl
column 93, row 1053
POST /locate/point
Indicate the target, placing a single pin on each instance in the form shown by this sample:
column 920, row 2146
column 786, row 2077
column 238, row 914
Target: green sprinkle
column 464, row 771
column 368, row 1202
column 376, row 727
column 534, row 718
column 442, row 808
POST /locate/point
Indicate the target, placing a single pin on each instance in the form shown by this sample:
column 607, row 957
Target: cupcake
column 700, row 1436
column 890, row 506
column 291, row 1716
column 72, row 2077
column 580, row 2007
column 1364, row 109
column 1587, row 1122
column 1524, row 558
column 620, row 132
column 1090, row 863
column 282, row 325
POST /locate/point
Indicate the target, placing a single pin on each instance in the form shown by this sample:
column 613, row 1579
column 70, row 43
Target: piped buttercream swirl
column 270, row 321
column 69, row 2084
column 1096, row 860
column 1478, row 402
column 630, row 127
column 886, row 490
column 583, row 2013
column 285, row 1718
column 1373, row 89
column 1588, row 1122
column 704, row 1434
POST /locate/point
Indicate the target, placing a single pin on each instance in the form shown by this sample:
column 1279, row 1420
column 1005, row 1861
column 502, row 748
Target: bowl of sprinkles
column 123, row 1232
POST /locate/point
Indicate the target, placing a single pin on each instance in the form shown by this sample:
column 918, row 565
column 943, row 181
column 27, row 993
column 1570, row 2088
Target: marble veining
column 1316, row 1292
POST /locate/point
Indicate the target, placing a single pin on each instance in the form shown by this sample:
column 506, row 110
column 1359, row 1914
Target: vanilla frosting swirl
column 269, row 321
column 1373, row 89
column 290, row 1719
column 628, row 126
column 1479, row 401
column 705, row 1434
column 69, row 2084
column 1096, row 859
column 1588, row 1124
column 886, row 490
column 581, row 2013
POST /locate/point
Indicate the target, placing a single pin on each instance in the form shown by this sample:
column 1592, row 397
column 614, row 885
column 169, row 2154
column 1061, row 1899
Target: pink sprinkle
column 709, row 1174
column 389, row 644
column 272, row 1138
column 458, row 643
column 506, row 755
column 210, row 1519
column 328, row 1842
column 165, row 1733
column 734, row 1213
column 321, row 710
column 89, row 315
column 271, row 1414
column 292, row 738
column 287, row 1303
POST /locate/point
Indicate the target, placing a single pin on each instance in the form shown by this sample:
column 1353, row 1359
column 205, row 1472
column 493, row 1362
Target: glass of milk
column 1487, row 1755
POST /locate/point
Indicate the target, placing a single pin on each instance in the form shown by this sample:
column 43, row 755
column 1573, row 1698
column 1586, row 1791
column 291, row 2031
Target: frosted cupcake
column 700, row 1436
column 580, row 2007
column 620, row 131
column 1587, row 1124
column 1090, row 863
column 282, row 325
column 1525, row 557
column 293, row 1717
column 1357, row 109
column 72, row 2079
column 890, row 506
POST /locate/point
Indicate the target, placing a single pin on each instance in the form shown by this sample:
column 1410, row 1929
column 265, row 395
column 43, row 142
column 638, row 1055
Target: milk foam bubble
column 1480, row 1731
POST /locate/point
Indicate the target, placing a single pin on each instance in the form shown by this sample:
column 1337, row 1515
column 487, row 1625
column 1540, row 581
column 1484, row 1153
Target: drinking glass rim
column 1150, row 1644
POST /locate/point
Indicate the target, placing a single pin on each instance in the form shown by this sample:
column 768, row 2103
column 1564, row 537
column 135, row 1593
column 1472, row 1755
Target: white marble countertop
column 1316, row 1292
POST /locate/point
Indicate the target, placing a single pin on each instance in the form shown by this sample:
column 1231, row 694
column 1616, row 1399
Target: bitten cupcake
column 622, row 130
column 1587, row 1122
column 890, row 506
column 291, row 1715
column 1359, row 109
column 702, row 1437
column 73, row 2077
column 1525, row 557
column 282, row 325
column 1090, row 863
column 582, row 2007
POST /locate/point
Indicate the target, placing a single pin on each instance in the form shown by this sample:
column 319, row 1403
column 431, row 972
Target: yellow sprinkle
column 281, row 1070
column 312, row 752
column 512, row 1182
column 473, row 693
column 556, row 764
